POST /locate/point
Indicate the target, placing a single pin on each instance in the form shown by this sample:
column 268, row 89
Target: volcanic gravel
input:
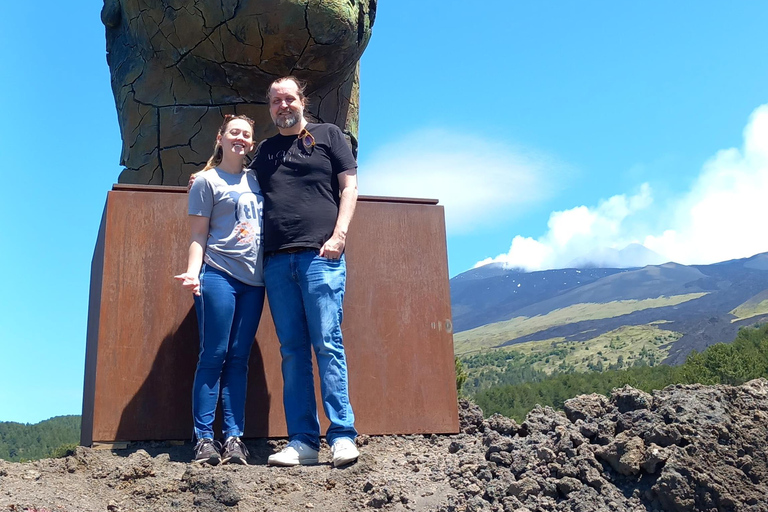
column 685, row 448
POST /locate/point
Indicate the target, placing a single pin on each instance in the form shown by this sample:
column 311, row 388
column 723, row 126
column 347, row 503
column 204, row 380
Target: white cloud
column 476, row 179
column 576, row 233
column 721, row 217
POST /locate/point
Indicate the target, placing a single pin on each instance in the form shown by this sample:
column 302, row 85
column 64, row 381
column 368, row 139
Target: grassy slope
column 627, row 342
column 751, row 310
column 493, row 335
column 755, row 306
column 625, row 347
column 722, row 363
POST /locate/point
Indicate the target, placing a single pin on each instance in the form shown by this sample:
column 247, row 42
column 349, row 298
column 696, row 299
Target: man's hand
column 333, row 248
column 191, row 181
column 189, row 282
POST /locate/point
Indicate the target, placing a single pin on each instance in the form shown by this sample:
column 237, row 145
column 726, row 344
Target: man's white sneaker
column 343, row 452
column 293, row 454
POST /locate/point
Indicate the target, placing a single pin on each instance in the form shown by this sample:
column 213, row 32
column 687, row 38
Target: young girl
column 224, row 272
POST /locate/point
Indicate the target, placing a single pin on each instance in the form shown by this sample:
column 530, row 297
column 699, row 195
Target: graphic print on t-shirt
column 284, row 157
column 249, row 219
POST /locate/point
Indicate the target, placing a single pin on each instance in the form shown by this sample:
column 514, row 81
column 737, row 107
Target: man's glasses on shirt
column 306, row 138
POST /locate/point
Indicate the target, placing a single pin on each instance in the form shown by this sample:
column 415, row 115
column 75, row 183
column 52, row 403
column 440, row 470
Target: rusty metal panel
column 142, row 332
column 397, row 322
column 92, row 338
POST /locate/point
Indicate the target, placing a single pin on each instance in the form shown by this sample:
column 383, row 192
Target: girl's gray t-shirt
column 234, row 204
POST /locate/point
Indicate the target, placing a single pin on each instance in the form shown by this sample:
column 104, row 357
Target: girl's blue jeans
column 228, row 314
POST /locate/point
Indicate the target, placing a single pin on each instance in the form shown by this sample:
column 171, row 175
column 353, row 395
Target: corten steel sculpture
column 178, row 66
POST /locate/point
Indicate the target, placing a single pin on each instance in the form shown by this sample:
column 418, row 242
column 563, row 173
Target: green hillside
column 630, row 345
column 21, row 441
column 625, row 347
column 496, row 334
column 723, row 363
column 755, row 306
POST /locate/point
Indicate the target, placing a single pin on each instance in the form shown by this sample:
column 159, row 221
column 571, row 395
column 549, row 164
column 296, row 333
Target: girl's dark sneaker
column 207, row 451
column 235, row 451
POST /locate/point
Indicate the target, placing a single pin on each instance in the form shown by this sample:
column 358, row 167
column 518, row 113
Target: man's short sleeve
column 201, row 198
column 252, row 164
column 341, row 154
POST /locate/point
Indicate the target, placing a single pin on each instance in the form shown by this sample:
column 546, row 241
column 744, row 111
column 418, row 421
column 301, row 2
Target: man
column 308, row 176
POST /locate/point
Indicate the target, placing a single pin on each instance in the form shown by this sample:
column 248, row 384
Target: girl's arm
column 198, row 236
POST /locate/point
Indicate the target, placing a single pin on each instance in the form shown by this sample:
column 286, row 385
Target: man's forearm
column 347, row 203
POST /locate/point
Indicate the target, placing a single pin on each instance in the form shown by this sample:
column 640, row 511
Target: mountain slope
column 706, row 304
column 491, row 293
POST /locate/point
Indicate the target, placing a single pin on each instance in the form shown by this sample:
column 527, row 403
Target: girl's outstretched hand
column 190, row 282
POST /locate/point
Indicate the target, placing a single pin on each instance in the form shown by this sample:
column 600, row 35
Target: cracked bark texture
column 177, row 66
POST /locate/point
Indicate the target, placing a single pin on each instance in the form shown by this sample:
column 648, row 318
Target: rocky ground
column 686, row 448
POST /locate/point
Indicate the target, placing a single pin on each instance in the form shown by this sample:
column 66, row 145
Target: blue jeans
column 305, row 293
column 228, row 314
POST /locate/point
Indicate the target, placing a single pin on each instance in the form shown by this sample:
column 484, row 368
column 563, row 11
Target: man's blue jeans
column 305, row 293
column 228, row 313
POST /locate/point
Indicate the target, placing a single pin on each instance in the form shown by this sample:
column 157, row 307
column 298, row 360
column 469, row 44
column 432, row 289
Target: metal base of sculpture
column 142, row 331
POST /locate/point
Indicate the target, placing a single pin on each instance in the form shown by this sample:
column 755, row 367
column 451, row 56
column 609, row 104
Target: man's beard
column 286, row 121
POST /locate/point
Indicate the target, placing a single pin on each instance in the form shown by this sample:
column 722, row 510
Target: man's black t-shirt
column 301, row 187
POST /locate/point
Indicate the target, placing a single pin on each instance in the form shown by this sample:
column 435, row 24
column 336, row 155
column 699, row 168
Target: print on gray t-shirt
column 234, row 204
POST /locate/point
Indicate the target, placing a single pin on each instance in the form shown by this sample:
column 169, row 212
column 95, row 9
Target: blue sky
column 549, row 130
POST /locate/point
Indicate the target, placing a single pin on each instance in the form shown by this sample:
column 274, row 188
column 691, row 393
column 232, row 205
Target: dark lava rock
column 630, row 399
column 470, row 416
column 685, row 448
column 503, row 425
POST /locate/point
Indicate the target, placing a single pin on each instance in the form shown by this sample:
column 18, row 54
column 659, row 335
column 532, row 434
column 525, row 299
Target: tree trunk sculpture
column 178, row 66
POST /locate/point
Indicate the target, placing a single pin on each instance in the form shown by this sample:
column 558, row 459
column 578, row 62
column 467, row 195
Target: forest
column 50, row 438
